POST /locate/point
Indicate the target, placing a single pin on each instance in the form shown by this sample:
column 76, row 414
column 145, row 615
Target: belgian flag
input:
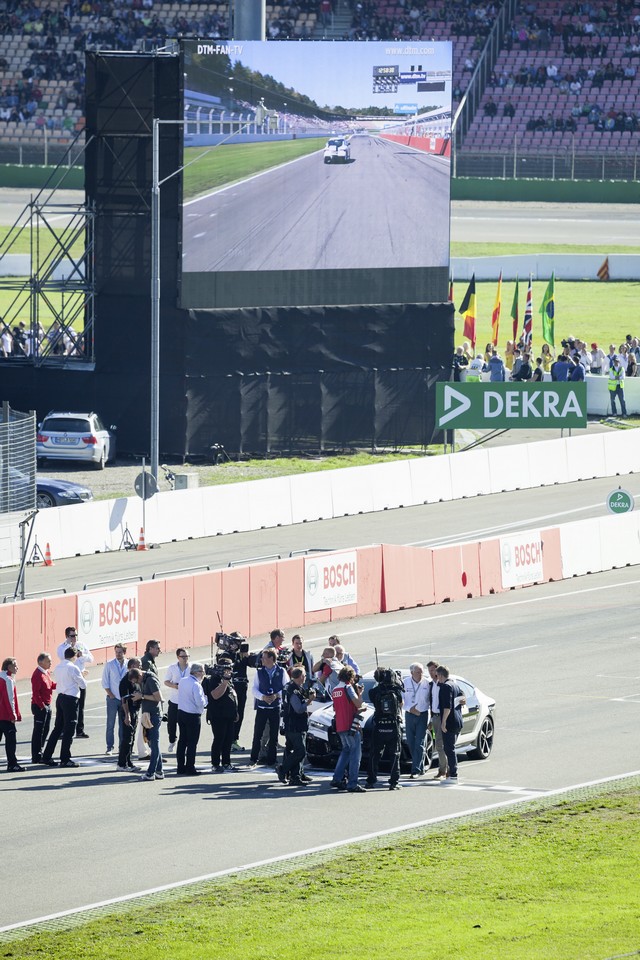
column 468, row 310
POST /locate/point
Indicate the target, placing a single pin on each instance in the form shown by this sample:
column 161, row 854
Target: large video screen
column 315, row 173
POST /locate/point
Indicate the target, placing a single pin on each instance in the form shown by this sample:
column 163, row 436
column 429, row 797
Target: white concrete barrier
column 311, row 497
column 431, row 479
column 226, row 510
column 350, row 494
column 470, row 475
column 585, row 457
column 508, row 472
column 547, row 462
column 619, row 541
column 580, row 547
column 390, row 484
column 177, row 515
column 270, row 503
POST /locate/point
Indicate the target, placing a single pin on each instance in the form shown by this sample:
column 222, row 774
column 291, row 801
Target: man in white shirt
column 175, row 673
column 84, row 658
column 434, row 704
column 415, row 700
column 346, row 660
column 112, row 673
column 69, row 682
column 191, row 704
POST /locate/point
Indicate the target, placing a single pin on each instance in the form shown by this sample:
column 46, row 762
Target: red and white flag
column 528, row 315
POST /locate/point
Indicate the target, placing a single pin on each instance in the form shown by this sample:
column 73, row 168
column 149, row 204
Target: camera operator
column 295, row 698
column 386, row 698
column 268, row 684
column 327, row 669
column 222, row 712
column 235, row 647
column 347, row 703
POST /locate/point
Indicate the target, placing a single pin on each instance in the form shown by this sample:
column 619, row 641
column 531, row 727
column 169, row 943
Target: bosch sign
column 330, row 581
column 107, row 617
column 521, row 559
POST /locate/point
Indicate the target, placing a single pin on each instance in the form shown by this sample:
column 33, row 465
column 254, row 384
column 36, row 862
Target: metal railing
column 517, row 164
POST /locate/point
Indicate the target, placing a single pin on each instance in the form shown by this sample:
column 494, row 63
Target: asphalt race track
column 387, row 207
column 560, row 659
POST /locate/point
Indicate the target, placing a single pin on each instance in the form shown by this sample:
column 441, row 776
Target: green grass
column 555, row 883
column 596, row 312
column 232, row 162
column 21, row 242
column 462, row 248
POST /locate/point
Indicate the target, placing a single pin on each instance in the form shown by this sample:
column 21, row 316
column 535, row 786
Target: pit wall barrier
column 99, row 526
column 441, row 146
column 253, row 599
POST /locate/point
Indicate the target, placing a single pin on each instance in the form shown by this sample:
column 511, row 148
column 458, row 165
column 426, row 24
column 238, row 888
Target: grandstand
column 566, row 72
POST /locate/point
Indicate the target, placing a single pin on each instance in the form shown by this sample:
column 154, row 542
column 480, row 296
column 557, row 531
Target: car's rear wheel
column 100, row 464
column 484, row 744
column 428, row 750
column 44, row 500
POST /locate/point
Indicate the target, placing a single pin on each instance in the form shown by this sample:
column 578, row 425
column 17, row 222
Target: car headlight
column 68, row 495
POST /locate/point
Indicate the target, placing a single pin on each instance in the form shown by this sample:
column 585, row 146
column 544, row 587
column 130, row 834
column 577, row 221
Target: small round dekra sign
column 620, row 501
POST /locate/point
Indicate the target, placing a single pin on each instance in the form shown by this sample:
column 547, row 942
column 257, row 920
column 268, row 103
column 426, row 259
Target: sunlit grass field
column 558, row 883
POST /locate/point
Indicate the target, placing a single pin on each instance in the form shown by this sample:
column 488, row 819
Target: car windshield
column 66, row 425
column 335, row 143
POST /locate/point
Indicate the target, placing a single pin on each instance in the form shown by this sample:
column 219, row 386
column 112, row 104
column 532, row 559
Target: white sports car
column 337, row 150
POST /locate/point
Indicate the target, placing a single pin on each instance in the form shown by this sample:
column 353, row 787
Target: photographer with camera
column 347, row 704
column 234, row 646
column 295, row 698
column 268, row 685
column 222, row 712
column 386, row 698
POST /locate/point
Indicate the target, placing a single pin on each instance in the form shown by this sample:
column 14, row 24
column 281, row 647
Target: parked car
column 337, row 150
column 60, row 493
column 75, row 436
column 48, row 492
column 476, row 737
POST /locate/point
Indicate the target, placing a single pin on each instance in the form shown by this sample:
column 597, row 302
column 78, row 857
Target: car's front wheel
column 44, row 500
column 484, row 744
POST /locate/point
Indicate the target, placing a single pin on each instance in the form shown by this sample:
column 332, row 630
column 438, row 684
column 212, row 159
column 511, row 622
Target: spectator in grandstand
column 524, row 371
column 509, row 110
column 490, row 108
column 458, row 363
column 496, row 367
column 598, row 357
column 547, row 357
column 538, row 373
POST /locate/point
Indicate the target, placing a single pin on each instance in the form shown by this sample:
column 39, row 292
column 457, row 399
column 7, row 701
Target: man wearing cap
column 616, row 386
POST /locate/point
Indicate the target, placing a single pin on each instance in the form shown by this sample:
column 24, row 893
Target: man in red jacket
column 9, row 712
column 42, row 687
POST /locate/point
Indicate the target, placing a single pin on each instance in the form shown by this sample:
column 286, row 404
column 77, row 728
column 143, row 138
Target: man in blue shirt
column 113, row 672
column 496, row 367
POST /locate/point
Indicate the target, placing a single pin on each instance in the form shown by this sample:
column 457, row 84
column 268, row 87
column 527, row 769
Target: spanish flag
column 495, row 316
column 603, row 272
column 468, row 310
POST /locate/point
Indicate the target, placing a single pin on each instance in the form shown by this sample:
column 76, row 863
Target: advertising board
column 107, row 617
column 330, row 580
column 521, row 559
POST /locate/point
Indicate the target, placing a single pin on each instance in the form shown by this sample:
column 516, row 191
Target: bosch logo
column 312, row 578
column 86, row 616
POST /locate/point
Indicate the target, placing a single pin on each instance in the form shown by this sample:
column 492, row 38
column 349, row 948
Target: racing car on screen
column 337, row 150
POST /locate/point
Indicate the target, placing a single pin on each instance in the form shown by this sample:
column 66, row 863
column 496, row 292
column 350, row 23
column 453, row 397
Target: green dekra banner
column 492, row 406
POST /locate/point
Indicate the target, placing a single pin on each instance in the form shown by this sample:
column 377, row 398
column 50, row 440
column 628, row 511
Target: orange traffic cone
column 141, row 541
column 48, row 562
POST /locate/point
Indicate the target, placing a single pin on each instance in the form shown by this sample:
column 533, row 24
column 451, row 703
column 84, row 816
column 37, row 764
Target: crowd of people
column 21, row 341
column 574, row 362
column 286, row 682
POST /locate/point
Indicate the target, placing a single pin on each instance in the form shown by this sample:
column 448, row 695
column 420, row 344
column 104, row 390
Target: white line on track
column 283, row 858
column 491, row 531
column 462, row 656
